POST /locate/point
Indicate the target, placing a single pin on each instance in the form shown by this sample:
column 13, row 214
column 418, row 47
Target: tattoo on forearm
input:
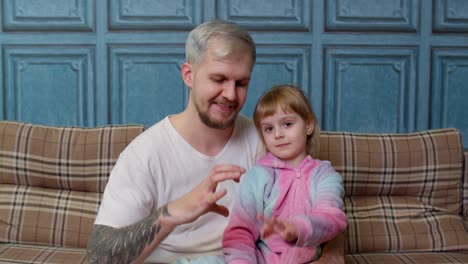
column 111, row 245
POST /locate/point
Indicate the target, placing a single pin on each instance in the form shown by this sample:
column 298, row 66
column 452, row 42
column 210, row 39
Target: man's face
column 219, row 86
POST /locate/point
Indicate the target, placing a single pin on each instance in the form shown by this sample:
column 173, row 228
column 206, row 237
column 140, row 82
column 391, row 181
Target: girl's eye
column 288, row 124
column 268, row 129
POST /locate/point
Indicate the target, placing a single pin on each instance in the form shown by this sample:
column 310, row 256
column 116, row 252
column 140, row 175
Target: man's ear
column 186, row 71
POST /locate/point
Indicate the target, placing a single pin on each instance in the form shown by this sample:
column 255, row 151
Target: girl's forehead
column 280, row 113
column 274, row 106
column 283, row 109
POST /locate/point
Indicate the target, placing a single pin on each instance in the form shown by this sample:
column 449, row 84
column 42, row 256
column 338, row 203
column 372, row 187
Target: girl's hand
column 273, row 225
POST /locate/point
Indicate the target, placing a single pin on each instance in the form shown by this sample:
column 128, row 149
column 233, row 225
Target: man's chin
column 218, row 124
column 221, row 125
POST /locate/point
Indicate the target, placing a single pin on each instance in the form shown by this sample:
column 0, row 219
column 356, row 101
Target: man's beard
column 216, row 124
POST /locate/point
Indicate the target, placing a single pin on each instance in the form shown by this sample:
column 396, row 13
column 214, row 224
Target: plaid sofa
column 51, row 182
column 406, row 195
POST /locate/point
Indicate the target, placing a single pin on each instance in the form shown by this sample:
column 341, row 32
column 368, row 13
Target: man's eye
column 217, row 80
column 241, row 84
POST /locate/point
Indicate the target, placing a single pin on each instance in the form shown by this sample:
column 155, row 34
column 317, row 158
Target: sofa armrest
column 333, row 251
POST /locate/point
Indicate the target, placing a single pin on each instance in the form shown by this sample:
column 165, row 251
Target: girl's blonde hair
column 288, row 98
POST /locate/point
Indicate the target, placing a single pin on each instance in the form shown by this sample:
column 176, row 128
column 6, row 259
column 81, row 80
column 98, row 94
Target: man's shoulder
column 245, row 125
column 152, row 135
column 243, row 120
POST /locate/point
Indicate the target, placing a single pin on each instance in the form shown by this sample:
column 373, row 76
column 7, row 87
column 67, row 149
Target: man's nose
column 229, row 91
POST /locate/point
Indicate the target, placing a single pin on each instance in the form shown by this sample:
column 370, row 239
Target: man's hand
column 285, row 229
column 204, row 197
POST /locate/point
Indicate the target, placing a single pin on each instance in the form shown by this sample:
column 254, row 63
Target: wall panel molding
column 146, row 79
column 366, row 65
column 48, row 15
column 449, row 90
column 155, row 15
column 52, row 84
column 364, row 84
column 450, row 16
column 3, row 95
column 362, row 15
column 269, row 15
column 278, row 64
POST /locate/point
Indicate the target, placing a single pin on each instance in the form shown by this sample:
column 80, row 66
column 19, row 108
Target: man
column 169, row 193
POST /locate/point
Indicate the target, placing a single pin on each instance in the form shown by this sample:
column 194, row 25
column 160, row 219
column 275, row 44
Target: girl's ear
column 186, row 71
column 310, row 127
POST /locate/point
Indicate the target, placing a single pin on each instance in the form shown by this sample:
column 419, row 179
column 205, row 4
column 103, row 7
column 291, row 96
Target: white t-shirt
column 159, row 166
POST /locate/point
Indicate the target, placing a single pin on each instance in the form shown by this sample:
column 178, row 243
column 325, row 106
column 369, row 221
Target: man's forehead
column 227, row 47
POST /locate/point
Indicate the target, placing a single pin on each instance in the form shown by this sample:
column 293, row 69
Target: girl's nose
column 278, row 133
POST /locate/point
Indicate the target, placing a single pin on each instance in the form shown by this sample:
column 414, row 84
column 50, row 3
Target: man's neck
column 208, row 141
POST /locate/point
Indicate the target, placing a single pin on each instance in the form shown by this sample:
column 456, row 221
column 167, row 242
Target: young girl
column 288, row 203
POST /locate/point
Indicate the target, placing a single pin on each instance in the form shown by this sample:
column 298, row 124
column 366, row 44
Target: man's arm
column 132, row 243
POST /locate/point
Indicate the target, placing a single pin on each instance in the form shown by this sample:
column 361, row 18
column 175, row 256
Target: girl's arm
column 327, row 219
column 243, row 229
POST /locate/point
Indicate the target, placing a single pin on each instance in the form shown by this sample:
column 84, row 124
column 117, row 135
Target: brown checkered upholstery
column 406, row 196
column 403, row 191
column 32, row 254
column 66, row 158
column 465, row 192
column 408, row 258
column 51, row 183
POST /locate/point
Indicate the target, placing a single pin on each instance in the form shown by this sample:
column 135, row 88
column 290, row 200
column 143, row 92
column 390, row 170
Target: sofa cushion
column 46, row 216
column 67, row 158
column 408, row 258
column 52, row 179
column 401, row 223
column 402, row 191
column 30, row 254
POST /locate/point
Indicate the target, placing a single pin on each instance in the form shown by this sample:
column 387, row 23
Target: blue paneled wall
column 367, row 66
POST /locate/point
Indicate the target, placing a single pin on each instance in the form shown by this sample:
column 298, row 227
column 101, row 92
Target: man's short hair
column 199, row 38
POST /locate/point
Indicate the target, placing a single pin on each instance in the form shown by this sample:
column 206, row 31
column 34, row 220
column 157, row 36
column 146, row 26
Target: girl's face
column 285, row 135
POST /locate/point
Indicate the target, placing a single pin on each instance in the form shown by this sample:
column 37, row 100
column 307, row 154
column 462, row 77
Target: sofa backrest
column 52, row 179
column 397, row 164
column 465, row 191
column 403, row 192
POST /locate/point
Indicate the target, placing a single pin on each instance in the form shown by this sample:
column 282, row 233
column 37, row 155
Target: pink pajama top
column 310, row 196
